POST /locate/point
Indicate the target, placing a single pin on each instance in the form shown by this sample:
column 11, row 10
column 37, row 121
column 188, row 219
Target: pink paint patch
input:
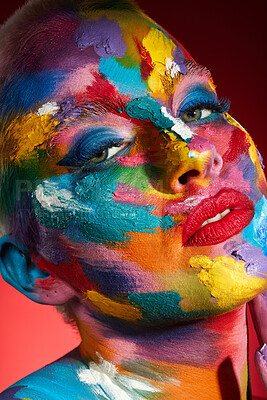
column 200, row 144
column 236, row 180
column 65, row 137
column 129, row 195
column 78, row 81
column 135, row 160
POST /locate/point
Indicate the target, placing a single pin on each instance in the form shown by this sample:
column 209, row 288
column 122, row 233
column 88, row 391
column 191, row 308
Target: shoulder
column 57, row 381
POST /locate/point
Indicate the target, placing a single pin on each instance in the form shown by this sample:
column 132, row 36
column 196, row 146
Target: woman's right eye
column 105, row 154
column 90, row 152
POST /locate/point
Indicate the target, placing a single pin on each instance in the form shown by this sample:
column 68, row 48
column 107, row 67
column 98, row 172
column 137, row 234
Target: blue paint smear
column 256, row 232
column 127, row 80
column 199, row 95
column 111, row 278
column 24, row 91
column 57, row 381
column 109, row 220
column 148, row 109
column 98, row 216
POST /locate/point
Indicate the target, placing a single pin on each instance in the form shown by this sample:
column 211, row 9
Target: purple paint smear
column 178, row 57
column 263, row 351
column 256, row 262
column 51, row 45
column 9, row 394
column 104, row 35
column 68, row 112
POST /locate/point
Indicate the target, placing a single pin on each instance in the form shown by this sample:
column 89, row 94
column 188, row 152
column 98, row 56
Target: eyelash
column 220, row 107
column 104, row 146
column 79, row 157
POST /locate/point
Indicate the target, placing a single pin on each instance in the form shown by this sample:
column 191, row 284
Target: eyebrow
column 196, row 69
column 71, row 109
column 69, row 112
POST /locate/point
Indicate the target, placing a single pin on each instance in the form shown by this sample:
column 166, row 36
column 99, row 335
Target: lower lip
column 242, row 212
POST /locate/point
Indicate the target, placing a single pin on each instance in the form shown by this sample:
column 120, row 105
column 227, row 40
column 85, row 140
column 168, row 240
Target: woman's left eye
column 195, row 114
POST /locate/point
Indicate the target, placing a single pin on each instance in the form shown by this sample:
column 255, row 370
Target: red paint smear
column 238, row 145
column 227, row 322
column 70, row 273
column 146, row 65
column 104, row 93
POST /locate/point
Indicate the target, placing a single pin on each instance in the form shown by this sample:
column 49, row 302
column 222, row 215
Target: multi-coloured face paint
column 143, row 193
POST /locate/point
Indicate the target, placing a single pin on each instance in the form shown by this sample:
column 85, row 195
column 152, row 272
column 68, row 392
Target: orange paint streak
column 160, row 251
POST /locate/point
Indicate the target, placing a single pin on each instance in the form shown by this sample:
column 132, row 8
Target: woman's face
column 151, row 197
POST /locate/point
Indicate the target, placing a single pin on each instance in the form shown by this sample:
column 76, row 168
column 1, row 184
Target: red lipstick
column 217, row 218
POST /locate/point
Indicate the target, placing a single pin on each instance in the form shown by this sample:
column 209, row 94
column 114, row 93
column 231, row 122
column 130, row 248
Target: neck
column 203, row 359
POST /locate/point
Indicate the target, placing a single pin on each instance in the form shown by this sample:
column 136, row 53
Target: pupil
column 192, row 113
column 99, row 154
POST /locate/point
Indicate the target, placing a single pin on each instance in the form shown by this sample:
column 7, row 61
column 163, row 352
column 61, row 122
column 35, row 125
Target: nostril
column 217, row 164
column 183, row 179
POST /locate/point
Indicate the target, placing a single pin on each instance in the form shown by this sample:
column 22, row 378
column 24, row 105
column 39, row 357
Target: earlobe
column 19, row 271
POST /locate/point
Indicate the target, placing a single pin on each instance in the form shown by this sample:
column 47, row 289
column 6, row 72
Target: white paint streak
column 48, row 108
column 179, row 126
column 54, row 199
column 192, row 154
column 105, row 381
column 172, row 68
column 107, row 367
column 134, row 384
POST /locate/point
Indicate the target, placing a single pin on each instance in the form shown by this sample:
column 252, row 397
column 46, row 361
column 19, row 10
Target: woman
column 138, row 203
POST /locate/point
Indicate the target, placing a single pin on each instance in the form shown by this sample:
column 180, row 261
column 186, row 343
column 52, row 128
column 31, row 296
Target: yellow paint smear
column 170, row 136
column 227, row 280
column 113, row 308
column 160, row 48
column 211, row 84
column 233, row 122
column 177, row 152
column 30, row 132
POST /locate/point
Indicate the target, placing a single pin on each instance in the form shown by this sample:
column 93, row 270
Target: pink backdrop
column 229, row 37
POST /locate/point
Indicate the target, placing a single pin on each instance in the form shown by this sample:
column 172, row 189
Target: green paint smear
column 135, row 177
column 159, row 307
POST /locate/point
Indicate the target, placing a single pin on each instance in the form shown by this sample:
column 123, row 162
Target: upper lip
column 226, row 202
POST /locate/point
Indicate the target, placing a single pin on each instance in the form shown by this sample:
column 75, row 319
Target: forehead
column 112, row 67
column 64, row 54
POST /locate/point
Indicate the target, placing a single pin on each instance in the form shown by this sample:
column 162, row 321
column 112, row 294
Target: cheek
column 219, row 134
column 87, row 209
column 230, row 141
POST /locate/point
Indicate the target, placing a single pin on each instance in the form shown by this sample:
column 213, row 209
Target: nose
column 190, row 167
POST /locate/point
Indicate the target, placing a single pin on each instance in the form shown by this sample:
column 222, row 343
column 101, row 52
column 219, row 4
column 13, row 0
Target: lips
column 217, row 218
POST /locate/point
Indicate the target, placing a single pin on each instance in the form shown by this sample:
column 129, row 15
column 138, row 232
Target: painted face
column 149, row 198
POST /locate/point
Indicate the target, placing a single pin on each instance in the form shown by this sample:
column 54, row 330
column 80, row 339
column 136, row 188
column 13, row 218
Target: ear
column 19, row 271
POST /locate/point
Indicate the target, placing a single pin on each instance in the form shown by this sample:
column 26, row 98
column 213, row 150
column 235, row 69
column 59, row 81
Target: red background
column 228, row 37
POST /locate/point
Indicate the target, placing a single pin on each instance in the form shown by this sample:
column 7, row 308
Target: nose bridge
column 189, row 166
